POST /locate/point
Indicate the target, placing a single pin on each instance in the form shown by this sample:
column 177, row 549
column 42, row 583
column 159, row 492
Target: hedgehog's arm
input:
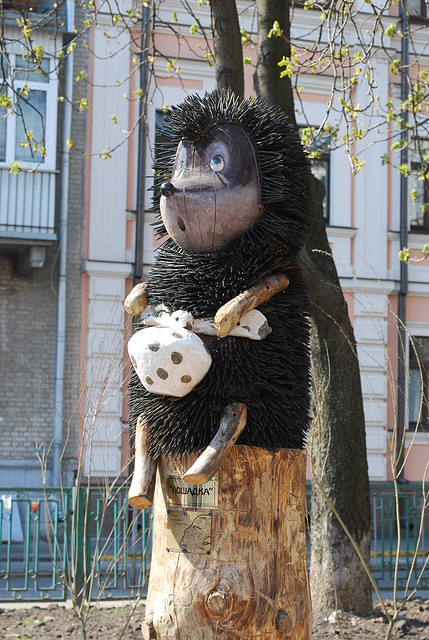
column 227, row 316
column 140, row 495
column 136, row 301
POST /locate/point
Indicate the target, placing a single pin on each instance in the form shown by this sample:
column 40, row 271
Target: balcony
column 27, row 216
column 27, row 206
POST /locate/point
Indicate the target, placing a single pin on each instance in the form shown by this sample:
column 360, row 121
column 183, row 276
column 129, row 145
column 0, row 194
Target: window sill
column 419, row 231
column 341, row 232
column 29, row 167
column 414, row 235
column 418, row 19
column 413, row 437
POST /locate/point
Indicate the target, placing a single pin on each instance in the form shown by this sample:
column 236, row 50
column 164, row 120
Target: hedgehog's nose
column 167, row 189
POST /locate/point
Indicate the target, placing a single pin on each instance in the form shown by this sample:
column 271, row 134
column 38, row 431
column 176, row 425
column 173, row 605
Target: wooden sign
column 189, row 531
column 196, row 496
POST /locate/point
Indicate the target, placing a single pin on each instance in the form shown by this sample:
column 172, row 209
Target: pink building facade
column 363, row 220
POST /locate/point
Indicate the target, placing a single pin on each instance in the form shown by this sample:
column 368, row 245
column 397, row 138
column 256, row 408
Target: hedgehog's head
column 213, row 194
column 222, row 163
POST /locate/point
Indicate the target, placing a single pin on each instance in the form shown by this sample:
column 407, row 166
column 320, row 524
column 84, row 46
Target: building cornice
column 107, row 269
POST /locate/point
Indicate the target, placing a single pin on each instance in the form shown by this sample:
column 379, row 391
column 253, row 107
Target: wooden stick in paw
column 142, row 486
column 136, row 300
column 227, row 316
column 232, row 424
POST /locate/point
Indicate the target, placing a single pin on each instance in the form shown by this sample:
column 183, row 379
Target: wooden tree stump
column 229, row 557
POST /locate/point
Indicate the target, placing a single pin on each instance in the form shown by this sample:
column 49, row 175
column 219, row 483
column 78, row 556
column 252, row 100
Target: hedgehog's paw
column 231, row 425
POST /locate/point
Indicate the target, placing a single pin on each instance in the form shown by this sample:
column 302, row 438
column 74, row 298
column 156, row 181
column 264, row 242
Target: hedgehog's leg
column 227, row 316
column 231, row 425
column 142, row 486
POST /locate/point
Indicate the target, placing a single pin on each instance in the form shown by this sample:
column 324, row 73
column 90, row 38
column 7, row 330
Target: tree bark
column 338, row 450
column 229, row 58
column 237, row 568
column 267, row 79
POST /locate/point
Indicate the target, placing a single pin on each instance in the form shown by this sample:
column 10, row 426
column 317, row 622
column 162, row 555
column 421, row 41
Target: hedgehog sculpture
column 232, row 188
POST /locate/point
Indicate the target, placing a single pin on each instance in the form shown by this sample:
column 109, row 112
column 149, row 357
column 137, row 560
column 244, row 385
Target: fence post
column 79, row 554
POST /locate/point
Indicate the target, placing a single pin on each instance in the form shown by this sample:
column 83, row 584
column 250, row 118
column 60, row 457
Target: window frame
column 158, row 138
column 418, row 17
column 50, row 125
column 415, row 166
column 325, row 156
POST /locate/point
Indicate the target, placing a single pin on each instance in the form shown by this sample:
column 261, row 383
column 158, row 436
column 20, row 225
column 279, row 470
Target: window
column 320, row 149
column 312, row 4
column 418, row 416
column 417, row 9
column 160, row 137
column 28, row 135
column 419, row 186
column 28, row 123
column 33, row 6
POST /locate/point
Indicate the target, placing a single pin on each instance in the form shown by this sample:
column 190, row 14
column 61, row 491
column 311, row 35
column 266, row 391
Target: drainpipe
column 62, row 260
column 141, row 157
column 141, row 166
column 403, row 282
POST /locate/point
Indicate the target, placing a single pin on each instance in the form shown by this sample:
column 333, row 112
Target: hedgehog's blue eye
column 179, row 167
column 217, row 163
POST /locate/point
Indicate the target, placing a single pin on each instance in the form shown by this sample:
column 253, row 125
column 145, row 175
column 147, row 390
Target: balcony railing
column 27, row 205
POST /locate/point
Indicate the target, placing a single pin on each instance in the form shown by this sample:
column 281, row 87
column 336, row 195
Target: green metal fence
column 400, row 536
column 88, row 544
column 84, row 543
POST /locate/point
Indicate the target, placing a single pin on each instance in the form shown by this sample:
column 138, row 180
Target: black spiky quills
column 270, row 376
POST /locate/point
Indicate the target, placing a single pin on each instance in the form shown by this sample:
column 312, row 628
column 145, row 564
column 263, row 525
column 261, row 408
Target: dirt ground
column 123, row 623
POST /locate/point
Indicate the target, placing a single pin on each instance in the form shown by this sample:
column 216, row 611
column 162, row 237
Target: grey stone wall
column 27, row 358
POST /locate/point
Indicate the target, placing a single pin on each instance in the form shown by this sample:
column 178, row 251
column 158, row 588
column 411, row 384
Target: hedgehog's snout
column 167, row 189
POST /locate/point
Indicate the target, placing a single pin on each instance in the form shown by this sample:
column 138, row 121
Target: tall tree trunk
column 340, row 472
column 338, row 449
column 267, row 79
column 227, row 46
